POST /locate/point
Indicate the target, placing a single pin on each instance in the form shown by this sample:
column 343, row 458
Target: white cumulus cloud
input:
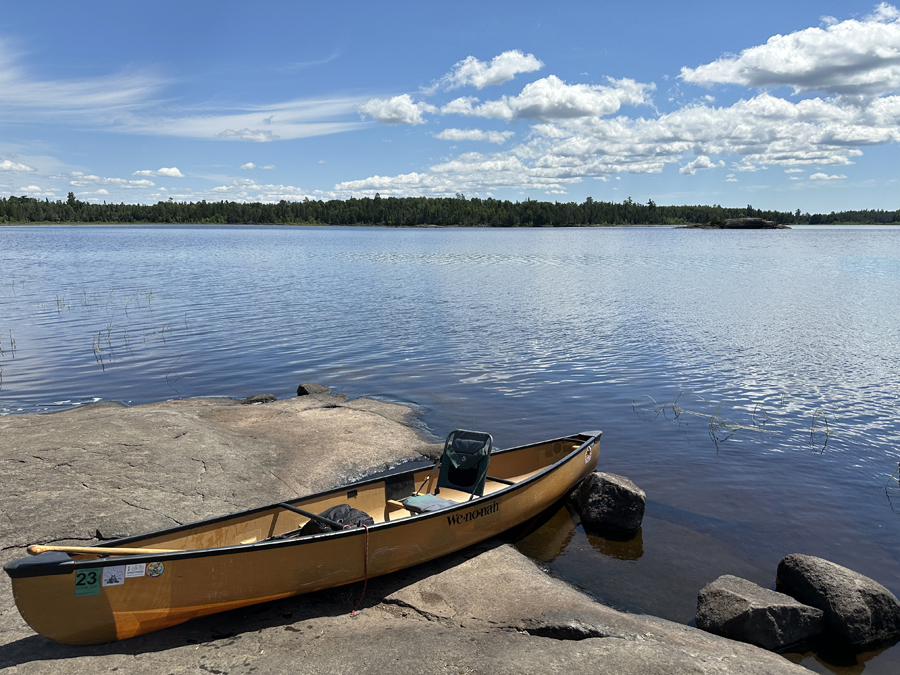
column 550, row 98
column 36, row 191
column 497, row 137
column 825, row 176
column 248, row 190
column 249, row 166
column 480, row 74
column 702, row 162
column 755, row 134
column 7, row 165
column 81, row 179
column 852, row 57
column 396, row 110
column 171, row 172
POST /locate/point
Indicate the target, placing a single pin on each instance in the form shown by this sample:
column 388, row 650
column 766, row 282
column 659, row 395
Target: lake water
column 747, row 381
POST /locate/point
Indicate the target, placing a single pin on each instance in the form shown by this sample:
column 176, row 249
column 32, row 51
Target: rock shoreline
column 739, row 224
column 107, row 470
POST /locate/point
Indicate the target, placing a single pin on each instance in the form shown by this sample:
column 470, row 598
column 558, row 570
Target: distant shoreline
column 456, row 211
column 701, row 226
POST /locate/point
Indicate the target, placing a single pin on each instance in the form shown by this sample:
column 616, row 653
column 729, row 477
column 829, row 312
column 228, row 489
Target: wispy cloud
column 249, row 166
column 132, row 103
column 299, row 118
column 296, row 66
column 105, row 96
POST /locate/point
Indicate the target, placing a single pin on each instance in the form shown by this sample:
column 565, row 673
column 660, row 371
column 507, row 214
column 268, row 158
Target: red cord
column 366, row 572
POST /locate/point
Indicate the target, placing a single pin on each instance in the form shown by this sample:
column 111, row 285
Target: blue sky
column 781, row 105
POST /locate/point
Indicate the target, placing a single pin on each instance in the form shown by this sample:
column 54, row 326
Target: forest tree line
column 412, row 212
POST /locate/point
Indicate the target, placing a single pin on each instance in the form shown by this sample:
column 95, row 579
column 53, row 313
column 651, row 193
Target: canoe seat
column 463, row 467
column 426, row 503
column 464, row 463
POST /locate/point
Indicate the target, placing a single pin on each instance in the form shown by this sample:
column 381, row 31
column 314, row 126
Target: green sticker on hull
column 87, row 582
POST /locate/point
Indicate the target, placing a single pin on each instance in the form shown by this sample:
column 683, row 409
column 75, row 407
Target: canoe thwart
column 333, row 524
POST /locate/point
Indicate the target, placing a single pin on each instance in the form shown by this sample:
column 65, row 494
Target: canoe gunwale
column 30, row 567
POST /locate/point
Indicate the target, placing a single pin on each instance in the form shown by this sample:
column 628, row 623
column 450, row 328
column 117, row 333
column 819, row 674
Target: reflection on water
column 771, row 360
column 621, row 547
column 549, row 536
column 827, row 654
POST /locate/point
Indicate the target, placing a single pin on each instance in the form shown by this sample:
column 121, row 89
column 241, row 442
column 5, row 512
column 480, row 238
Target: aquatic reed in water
column 721, row 429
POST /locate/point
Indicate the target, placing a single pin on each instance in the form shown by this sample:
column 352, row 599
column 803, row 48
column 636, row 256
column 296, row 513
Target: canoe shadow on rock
column 331, row 602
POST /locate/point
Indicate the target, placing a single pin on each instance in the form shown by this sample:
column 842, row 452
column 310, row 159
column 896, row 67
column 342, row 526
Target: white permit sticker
column 114, row 576
column 136, row 570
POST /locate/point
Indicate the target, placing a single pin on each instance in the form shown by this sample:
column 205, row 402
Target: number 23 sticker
column 87, row 582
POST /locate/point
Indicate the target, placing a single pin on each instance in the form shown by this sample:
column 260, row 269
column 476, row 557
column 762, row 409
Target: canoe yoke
column 463, row 467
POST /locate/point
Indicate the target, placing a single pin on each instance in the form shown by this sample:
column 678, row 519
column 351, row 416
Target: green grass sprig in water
column 721, row 429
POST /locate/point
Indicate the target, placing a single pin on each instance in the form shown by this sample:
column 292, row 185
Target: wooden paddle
column 37, row 549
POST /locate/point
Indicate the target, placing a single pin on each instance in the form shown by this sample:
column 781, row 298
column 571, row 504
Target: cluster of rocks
column 819, row 596
column 815, row 596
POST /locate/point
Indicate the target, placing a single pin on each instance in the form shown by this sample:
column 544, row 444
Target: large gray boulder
column 858, row 609
column 741, row 610
column 609, row 502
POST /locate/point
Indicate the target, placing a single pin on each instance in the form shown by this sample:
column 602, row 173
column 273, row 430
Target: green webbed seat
column 463, row 467
column 464, row 464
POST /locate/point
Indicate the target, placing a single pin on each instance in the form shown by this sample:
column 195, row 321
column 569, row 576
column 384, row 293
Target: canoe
column 134, row 585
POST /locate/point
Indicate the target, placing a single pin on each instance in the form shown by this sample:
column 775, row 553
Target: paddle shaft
column 37, row 549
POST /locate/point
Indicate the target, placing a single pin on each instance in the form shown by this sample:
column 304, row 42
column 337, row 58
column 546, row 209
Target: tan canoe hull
column 176, row 587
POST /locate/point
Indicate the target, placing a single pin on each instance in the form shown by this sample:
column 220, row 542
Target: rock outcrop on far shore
column 107, row 470
column 740, row 224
